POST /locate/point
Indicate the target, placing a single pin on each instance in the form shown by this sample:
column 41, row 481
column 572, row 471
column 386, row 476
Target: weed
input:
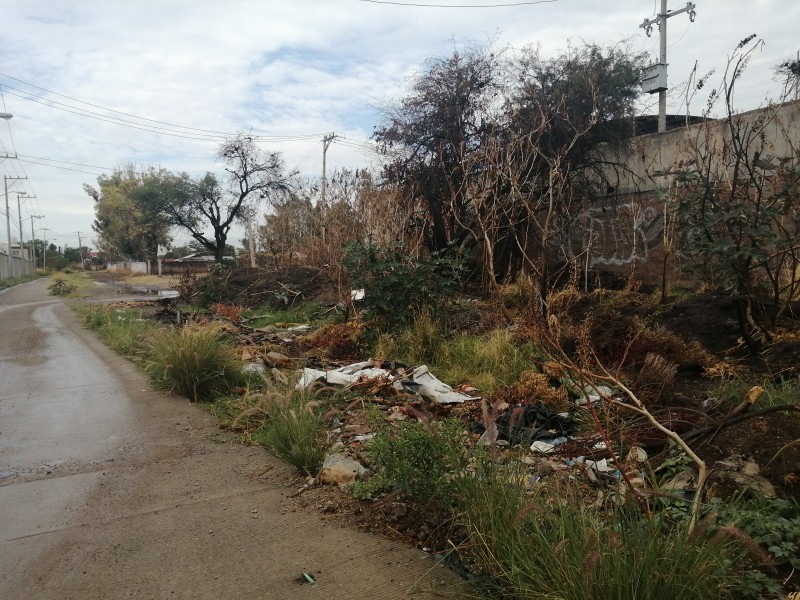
column 774, row 525
column 302, row 312
column 417, row 459
column 294, row 433
column 537, row 542
column 197, row 363
column 121, row 329
column 12, row 281
column 486, row 361
column 732, row 391
column 60, row 287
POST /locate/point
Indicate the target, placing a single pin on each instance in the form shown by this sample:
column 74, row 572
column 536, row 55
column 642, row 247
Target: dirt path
column 111, row 490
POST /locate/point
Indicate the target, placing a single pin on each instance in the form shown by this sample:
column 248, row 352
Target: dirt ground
column 698, row 332
column 112, row 490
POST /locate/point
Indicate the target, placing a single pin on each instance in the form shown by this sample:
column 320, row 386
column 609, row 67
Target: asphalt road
column 111, row 490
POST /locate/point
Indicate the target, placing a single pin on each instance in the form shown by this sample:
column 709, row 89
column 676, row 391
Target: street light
column 5, row 116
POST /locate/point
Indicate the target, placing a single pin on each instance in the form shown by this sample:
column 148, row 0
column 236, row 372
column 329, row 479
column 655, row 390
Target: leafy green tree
column 127, row 223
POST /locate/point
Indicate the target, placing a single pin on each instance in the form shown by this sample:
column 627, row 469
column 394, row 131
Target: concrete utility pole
column 44, row 252
column 19, row 216
column 326, row 141
column 655, row 77
column 33, row 239
column 80, row 251
column 9, row 262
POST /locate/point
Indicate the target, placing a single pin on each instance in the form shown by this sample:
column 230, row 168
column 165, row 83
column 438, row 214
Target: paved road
column 111, row 490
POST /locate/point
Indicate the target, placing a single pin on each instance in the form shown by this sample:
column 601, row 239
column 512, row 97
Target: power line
column 33, row 162
column 66, row 162
column 504, row 5
column 215, row 134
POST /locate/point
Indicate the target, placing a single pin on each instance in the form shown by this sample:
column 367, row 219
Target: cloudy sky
column 183, row 73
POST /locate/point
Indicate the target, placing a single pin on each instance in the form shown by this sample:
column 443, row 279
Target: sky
column 184, row 74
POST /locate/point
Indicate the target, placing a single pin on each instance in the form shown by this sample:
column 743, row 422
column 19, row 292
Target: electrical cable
column 216, row 134
column 417, row 5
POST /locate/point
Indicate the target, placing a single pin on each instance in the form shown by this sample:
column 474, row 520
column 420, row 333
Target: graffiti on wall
column 614, row 236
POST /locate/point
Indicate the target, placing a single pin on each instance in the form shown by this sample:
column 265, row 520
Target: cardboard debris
column 419, row 382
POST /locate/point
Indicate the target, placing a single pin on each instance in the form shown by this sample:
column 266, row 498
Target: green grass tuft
column 295, row 433
column 197, row 363
column 122, row 329
column 535, row 543
column 486, row 361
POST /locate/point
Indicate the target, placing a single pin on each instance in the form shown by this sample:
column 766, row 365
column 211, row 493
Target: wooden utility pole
column 655, row 77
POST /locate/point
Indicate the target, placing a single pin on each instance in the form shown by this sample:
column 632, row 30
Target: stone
column 339, row 469
column 398, row 509
column 256, row 367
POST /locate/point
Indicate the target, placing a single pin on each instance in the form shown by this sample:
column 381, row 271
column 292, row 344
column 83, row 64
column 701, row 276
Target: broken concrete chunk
column 339, row 469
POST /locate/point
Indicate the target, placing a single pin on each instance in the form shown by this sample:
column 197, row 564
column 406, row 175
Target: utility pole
column 655, row 77
column 326, row 141
column 19, row 216
column 80, row 251
column 9, row 262
column 33, row 239
column 44, row 253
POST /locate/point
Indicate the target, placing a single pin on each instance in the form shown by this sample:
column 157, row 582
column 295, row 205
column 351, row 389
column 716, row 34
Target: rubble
column 418, row 382
column 340, row 469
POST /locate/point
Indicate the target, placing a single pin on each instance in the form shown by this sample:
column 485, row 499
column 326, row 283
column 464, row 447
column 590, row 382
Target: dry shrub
column 520, row 294
column 226, row 311
column 655, row 378
column 563, row 301
column 342, row 341
column 536, row 386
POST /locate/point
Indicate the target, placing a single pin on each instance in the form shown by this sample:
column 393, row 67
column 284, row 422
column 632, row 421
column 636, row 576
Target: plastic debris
column 594, row 395
column 419, row 382
column 526, row 423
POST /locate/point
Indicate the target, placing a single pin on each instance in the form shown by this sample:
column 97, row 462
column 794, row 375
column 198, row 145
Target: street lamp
column 5, row 116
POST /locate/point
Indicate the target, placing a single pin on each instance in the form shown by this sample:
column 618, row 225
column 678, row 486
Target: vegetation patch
column 12, row 281
column 123, row 329
column 200, row 364
column 295, row 433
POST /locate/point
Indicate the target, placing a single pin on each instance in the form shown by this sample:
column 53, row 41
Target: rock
column 256, row 367
column 330, row 507
column 750, row 468
column 398, row 509
column 339, row 469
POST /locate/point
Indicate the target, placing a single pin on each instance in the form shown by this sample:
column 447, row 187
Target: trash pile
column 547, row 442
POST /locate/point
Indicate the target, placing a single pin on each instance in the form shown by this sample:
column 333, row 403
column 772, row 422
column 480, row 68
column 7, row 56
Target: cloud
column 287, row 68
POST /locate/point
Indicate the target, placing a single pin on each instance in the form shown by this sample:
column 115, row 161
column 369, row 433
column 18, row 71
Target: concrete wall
column 17, row 267
column 624, row 230
column 132, row 267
